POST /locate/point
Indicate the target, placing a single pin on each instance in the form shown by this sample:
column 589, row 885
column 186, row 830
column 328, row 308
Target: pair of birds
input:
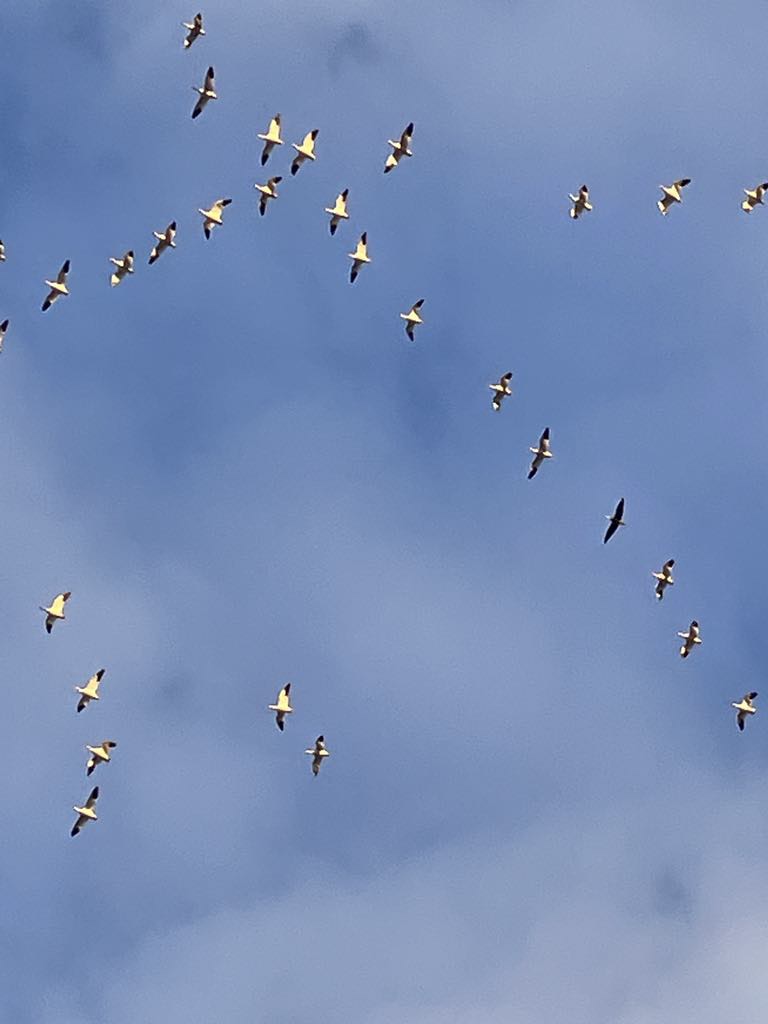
column 501, row 389
column 670, row 194
column 282, row 707
column 305, row 150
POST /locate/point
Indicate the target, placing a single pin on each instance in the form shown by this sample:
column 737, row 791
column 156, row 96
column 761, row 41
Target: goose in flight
column 754, row 197
column 305, row 150
column 672, row 194
column 412, row 318
column 359, row 257
column 540, row 454
column 2, row 252
column 58, row 287
column 205, row 93
column 87, row 813
column 743, row 708
column 691, row 639
column 123, row 267
column 55, row 610
column 500, row 390
column 664, row 578
column 99, row 755
column 194, row 29
column 318, row 752
column 581, row 203
column 282, row 707
column 268, row 192
column 271, row 138
column 213, row 215
column 165, row 240
column 338, row 211
column 3, row 332
column 400, row 148
column 614, row 521
column 90, row 691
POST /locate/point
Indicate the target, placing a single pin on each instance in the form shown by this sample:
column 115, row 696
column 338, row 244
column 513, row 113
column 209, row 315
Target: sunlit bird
column 55, row 610
column 400, row 148
column 581, row 203
column 501, row 390
column 205, row 93
column 165, row 240
column 664, row 578
column 87, row 813
column 90, row 691
column 338, row 211
column 540, row 454
column 318, row 752
column 672, row 194
column 359, row 257
column 213, row 215
column 268, row 192
column 412, row 318
column 99, row 755
column 754, row 197
column 743, row 708
column 614, row 521
column 123, row 267
column 58, row 287
column 304, row 150
column 282, row 707
column 691, row 639
column 194, row 29
column 271, row 138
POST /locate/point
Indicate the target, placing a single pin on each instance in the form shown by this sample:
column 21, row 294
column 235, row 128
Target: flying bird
column 207, row 92
column 99, row 755
column 90, row 691
column 213, row 215
column 664, row 578
column 672, row 194
column 271, row 138
column 754, row 197
column 195, row 29
column 338, row 211
column 691, row 639
column 58, row 287
column 318, row 752
column 282, row 707
column 540, row 454
column 3, row 332
column 2, row 252
column 165, row 240
column 412, row 318
column 614, row 521
column 55, row 610
column 581, row 203
column 400, row 148
column 500, row 390
column 743, row 708
column 268, row 192
column 87, row 813
column 123, row 267
column 305, row 150
column 359, row 257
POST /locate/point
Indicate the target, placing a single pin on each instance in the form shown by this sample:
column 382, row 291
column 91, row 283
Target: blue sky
column 245, row 473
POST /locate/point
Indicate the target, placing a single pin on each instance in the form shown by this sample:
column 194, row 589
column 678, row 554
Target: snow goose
column 213, row 215
column 304, row 150
column 3, row 332
column 672, row 194
column 664, row 578
column 338, row 211
column 614, row 521
column 282, row 707
column 501, row 390
column 194, row 29
column 123, row 267
column 743, row 708
column 90, row 691
column 412, row 318
column 754, row 197
column 318, row 752
column 271, row 138
column 87, row 813
column 268, row 192
column 2, row 252
column 165, row 240
column 99, row 755
column 205, row 93
column 581, row 203
column 540, row 453
column 58, row 287
column 691, row 639
column 55, row 610
column 400, row 148
column 359, row 257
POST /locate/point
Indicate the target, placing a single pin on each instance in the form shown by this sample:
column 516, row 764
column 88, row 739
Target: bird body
column 663, row 578
column 99, row 755
column 271, row 138
column 581, row 203
column 359, row 257
column 540, row 454
column 614, row 521
column 55, row 609
column 2, row 252
column 743, row 708
column 412, row 318
column 754, row 197
column 165, row 240
column 318, row 752
column 57, row 287
column 123, row 267
column 501, row 390
column 691, row 639
column 90, row 691
column 213, row 215
column 400, row 148
column 282, row 707
column 338, row 211
column 671, row 194
column 86, row 813
column 194, row 29
column 305, row 150
column 3, row 332
column 204, row 93
column 268, row 191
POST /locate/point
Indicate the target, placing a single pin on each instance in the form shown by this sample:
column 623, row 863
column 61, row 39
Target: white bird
column 581, row 203
column 271, row 138
column 672, row 194
column 195, row 29
column 58, row 287
column 400, row 148
column 318, row 752
column 2, row 252
column 123, row 267
column 282, row 707
column 691, row 639
column 754, row 196
column 207, row 92
column 99, row 755
column 304, row 150
column 359, row 257
column 743, row 708
column 55, row 610
column 213, row 215
column 500, row 390
column 338, row 211
column 165, row 240
column 540, row 454
column 412, row 318
column 268, row 192
column 90, row 691
column 3, row 331
column 87, row 813
column 664, row 578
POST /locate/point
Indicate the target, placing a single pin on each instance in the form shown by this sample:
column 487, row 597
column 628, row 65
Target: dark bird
column 614, row 521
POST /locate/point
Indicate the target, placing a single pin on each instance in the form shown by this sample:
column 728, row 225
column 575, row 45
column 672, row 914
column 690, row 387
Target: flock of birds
column 501, row 389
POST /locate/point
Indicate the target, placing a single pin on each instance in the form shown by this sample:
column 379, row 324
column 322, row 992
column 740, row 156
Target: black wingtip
column 48, row 627
column 294, row 168
column 264, row 158
column 281, row 726
column 74, row 831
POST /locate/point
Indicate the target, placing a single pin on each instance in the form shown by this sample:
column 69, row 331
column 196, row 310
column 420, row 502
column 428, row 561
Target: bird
column 664, row 578
column 165, row 240
column 500, row 390
column 754, row 197
column 271, row 138
column 338, row 211
column 304, row 150
column 691, row 638
column 90, row 691
column 672, row 194
column 282, row 707
column 268, row 192
column 99, row 755
column 58, row 287
column 195, row 28
column 207, row 92
column 744, row 708
column 87, row 813
column 55, row 610
column 123, row 267
column 412, row 318
column 212, row 216
column 2, row 252
column 359, row 257
column 400, row 148
column 318, row 752
column 615, row 521
column 540, row 454
column 581, row 203
column 3, row 331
